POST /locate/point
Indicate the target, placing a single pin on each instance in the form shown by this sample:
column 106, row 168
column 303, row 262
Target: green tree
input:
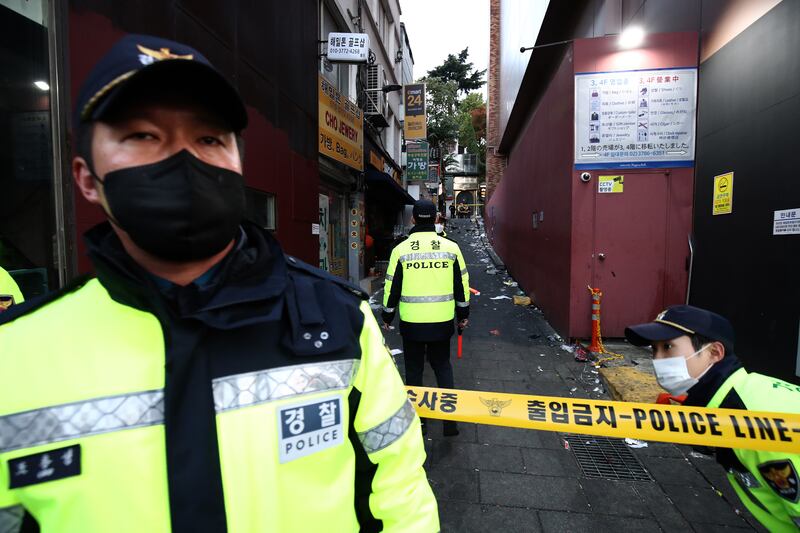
column 456, row 68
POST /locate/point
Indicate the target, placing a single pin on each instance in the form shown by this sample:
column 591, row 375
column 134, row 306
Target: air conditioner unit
column 376, row 98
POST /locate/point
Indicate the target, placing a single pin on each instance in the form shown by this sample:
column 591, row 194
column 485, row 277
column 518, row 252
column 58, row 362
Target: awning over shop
column 383, row 183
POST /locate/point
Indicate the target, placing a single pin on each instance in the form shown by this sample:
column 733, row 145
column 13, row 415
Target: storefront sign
column 417, row 161
column 610, row 184
column 635, row 119
column 341, row 125
column 786, row 222
column 415, row 122
column 723, row 194
column 348, row 47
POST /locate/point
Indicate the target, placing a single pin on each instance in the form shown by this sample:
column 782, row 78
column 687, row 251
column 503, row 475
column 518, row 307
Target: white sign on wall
column 786, row 222
column 348, row 47
column 635, row 119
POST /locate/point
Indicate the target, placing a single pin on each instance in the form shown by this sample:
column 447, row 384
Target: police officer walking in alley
column 427, row 281
column 203, row 380
column 693, row 355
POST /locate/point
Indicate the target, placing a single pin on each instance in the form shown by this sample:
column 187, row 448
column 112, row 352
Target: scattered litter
column 568, row 348
column 539, row 369
column 573, row 389
column 635, row 443
column 698, row 455
column 554, row 338
column 522, row 300
column 566, row 445
column 596, row 389
column 476, row 292
column 495, row 332
column 521, row 329
column 541, row 355
column 396, row 351
column 391, row 327
column 491, row 271
column 501, row 297
column 510, row 283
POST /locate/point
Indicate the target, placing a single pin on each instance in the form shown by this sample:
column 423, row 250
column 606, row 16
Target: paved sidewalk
column 505, row 479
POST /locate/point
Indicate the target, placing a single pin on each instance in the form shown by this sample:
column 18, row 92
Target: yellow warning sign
column 724, row 428
column 610, row 184
column 723, row 194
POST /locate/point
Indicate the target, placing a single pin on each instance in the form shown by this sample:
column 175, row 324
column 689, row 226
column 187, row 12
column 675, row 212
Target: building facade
column 269, row 50
column 661, row 224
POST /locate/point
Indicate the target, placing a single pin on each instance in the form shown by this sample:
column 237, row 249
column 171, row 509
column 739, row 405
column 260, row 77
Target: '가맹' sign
column 417, row 161
column 635, row 119
column 341, row 124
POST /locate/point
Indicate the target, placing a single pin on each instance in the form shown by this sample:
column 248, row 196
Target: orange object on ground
column 460, row 345
column 595, row 347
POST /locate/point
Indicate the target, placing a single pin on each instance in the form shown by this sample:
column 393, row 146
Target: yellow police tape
column 727, row 428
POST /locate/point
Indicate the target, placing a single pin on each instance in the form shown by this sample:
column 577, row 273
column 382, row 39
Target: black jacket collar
column 252, row 277
column 707, row 387
column 422, row 227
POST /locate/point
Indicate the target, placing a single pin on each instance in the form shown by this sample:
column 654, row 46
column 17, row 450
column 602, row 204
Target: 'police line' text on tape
column 727, row 428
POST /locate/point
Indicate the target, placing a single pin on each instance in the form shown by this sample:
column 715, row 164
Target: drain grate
column 607, row 458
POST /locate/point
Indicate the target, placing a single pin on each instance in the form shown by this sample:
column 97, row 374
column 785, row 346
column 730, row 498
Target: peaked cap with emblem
column 680, row 320
column 138, row 62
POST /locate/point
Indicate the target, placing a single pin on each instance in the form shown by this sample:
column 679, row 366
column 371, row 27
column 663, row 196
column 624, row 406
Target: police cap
column 424, row 211
column 680, row 320
column 144, row 62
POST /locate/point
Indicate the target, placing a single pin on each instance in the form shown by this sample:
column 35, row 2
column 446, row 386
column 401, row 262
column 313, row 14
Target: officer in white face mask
column 693, row 355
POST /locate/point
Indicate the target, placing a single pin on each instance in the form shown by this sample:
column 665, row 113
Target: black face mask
column 179, row 209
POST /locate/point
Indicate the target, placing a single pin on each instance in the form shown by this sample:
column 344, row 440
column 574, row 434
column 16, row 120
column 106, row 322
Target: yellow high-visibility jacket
column 263, row 401
column 427, row 280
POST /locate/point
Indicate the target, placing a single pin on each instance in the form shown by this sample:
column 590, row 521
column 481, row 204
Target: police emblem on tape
column 309, row 427
column 45, row 466
column 495, row 406
column 782, row 478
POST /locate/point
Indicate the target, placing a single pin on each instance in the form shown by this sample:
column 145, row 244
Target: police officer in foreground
column 203, row 381
column 427, row 280
column 693, row 355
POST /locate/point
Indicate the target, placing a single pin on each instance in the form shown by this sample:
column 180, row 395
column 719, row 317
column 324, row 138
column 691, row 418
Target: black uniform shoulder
column 297, row 266
column 29, row 306
column 397, row 242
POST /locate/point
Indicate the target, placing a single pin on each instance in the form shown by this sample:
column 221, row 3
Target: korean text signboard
column 348, row 47
column 341, row 124
column 723, row 194
column 635, row 119
column 786, row 222
column 415, row 121
column 417, row 161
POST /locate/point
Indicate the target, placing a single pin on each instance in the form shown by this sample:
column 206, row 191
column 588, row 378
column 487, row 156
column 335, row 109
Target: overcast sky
column 440, row 27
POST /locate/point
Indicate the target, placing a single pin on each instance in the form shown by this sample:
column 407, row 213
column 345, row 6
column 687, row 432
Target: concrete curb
column 485, row 240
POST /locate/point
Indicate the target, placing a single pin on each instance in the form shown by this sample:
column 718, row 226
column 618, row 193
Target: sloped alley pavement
column 492, row 478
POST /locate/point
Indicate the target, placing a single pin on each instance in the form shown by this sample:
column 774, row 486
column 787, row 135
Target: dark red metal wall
column 269, row 50
column 555, row 262
column 537, row 180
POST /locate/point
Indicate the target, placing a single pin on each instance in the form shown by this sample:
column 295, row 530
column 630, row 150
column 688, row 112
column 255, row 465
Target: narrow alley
column 506, row 479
